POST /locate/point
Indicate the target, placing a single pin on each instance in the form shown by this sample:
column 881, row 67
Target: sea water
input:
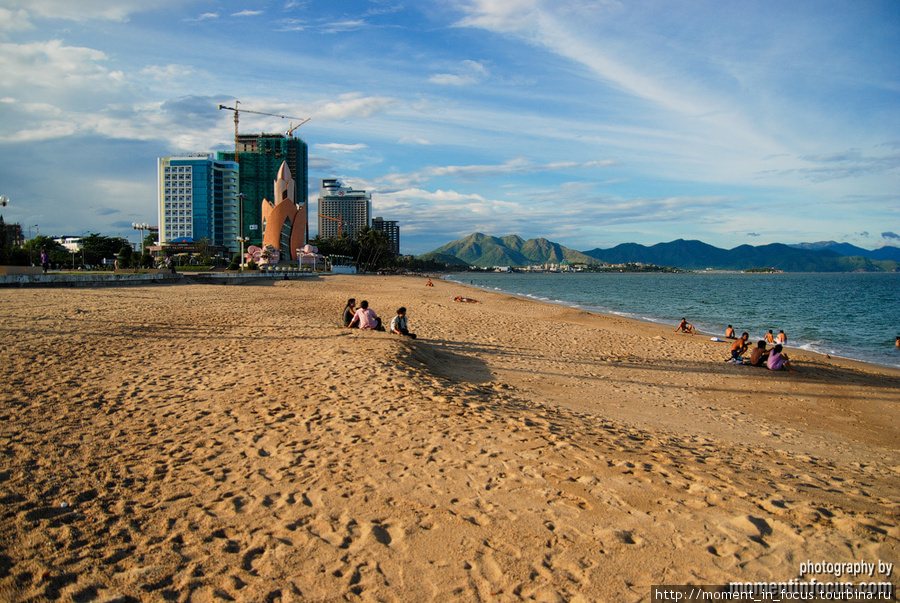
column 851, row 315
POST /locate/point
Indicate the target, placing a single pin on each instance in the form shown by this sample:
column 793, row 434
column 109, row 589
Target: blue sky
column 589, row 122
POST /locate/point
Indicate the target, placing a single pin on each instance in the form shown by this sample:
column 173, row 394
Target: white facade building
column 342, row 209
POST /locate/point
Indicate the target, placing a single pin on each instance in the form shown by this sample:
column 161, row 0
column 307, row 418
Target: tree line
column 95, row 248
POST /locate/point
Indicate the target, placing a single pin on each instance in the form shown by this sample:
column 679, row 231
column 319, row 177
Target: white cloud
column 342, row 26
column 341, row 148
column 247, row 13
column 415, row 140
column 351, row 106
column 469, row 73
column 168, row 73
column 12, row 20
column 467, row 172
column 70, row 77
column 86, row 10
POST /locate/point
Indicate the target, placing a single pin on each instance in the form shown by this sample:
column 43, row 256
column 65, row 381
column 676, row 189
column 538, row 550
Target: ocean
column 850, row 315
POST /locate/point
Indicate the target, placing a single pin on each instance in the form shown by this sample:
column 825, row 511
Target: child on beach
column 399, row 324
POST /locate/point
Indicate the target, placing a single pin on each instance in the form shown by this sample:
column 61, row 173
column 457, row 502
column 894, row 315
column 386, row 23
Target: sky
column 587, row 122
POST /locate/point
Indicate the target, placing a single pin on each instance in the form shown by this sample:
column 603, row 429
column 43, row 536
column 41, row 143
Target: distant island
column 484, row 251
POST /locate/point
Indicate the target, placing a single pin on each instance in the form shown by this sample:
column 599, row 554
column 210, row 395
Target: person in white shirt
column 399, row 324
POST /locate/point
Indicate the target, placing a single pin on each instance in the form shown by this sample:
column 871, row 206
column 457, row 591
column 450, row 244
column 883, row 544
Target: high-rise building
column 260, row 157
column 391, row 229
column 342, row 209
column 198, row 199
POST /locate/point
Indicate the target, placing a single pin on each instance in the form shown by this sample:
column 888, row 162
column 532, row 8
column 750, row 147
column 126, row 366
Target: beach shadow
column 441, row 362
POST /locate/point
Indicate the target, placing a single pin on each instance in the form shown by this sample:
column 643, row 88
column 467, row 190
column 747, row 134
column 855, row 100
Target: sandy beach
column 234, row 443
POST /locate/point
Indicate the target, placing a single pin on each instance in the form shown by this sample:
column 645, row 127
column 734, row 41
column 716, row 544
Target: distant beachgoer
column 781, row 338
column 759, row 355
column 778, row 361
column 685, row 327
column 897, row 343
column 367, row 319
column 469, row 300
column 429, row 283
column 349, row 311
column 729, row 333
column 739, row 347
column 770, row 338
column 45, row 261
column 399, row 324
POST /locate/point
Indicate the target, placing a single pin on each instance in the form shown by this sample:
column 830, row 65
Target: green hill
column 486, row 251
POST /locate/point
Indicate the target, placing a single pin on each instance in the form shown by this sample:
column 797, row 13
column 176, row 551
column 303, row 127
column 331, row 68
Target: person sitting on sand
column 367, row 319
column 429, row 283
column 399, row 324
column 759, row 355
column 770, row 338
column 349, row 311
column 778, row 361
column 685, row 327
column 739, row 347
column 729, row 333
column 781, row 338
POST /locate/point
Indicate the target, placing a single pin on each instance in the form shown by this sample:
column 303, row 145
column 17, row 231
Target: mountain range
column 486, row 251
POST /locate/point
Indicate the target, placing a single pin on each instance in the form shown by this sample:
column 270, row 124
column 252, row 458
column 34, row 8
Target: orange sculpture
column 284, row 221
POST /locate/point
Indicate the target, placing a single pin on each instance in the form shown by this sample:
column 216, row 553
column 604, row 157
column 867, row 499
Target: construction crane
column 290, row 132
column 237, row 111
column 339, row 220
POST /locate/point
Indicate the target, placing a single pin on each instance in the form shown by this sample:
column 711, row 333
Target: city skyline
column 590, row 123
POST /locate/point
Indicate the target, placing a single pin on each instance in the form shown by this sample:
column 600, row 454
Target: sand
column 206, row 443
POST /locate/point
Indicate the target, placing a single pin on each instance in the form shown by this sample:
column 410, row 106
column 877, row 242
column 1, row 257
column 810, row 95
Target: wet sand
column 206, row 443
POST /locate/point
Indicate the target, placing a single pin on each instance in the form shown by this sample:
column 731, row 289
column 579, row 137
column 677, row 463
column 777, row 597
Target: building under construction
column 259, row 157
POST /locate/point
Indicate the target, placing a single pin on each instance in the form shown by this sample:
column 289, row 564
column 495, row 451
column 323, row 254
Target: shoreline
column 235, row 442
column 656, row 321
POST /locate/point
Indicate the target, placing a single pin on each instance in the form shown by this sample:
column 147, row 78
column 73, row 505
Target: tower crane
column 237, row 110
column 290, row 132
column 339, row 220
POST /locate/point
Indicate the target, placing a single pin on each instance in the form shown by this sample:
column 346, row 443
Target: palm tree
column 374, row 246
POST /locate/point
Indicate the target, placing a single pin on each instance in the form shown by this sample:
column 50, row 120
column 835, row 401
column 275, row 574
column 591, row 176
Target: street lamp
column 142, row 227
column 241, row 238
column 31, row 247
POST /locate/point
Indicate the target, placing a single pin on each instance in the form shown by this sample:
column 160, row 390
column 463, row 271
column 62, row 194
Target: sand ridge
column 202, row 442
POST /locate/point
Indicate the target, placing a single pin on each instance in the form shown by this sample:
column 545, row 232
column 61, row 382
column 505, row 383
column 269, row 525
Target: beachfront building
column 260, row 157
column 198, row 199
column 391, row 229
column 284, row 225
column 342, row 210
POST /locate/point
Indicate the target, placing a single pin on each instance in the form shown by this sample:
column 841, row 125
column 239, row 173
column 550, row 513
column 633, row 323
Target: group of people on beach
column 366, row 319
column 774, row 359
